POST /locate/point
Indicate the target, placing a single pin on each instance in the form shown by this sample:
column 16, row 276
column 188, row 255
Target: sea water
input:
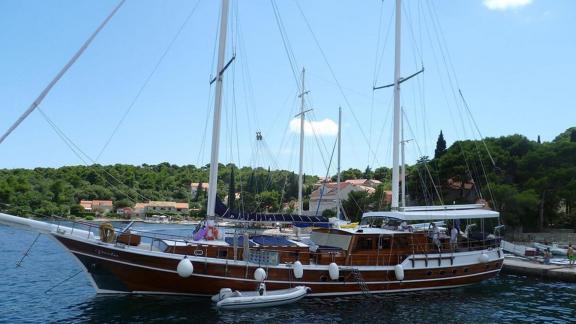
column 41, row 290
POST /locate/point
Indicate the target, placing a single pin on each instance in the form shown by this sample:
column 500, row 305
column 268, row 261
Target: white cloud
column 326, row 127
column 505, row 4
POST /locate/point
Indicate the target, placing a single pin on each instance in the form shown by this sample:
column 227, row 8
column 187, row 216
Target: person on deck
column 570, row 254
column 547, row 256
column 454, row 238
column 435, row 234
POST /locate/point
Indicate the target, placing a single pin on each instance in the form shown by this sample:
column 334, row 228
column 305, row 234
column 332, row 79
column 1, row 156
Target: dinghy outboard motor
column 225, row 293
column 262, row 289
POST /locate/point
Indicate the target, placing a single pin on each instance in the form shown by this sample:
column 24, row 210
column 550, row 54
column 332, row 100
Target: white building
column 326, row 197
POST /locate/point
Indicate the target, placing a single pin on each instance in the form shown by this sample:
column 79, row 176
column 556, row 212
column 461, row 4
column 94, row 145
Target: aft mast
column 300, row 174
column 213, row 182
column 396, row 137
column 338, row 175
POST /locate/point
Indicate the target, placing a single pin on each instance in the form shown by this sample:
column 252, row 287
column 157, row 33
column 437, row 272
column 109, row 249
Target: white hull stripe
column 312, row 294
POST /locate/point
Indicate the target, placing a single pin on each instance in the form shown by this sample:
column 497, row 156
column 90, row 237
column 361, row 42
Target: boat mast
column 338, row 175
column 60, row 74
column 403, row 174
column 213, row 182
column 396, row 137
column 300, row 175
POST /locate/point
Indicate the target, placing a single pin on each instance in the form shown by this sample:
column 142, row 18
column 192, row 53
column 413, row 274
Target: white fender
column 399, row 272
column 483, row 258
column 185, row 268
column 260, row 274
column 298, row 270
column 333, row 271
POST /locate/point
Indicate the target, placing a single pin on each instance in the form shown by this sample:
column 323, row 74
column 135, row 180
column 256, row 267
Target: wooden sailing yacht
column 388, row 251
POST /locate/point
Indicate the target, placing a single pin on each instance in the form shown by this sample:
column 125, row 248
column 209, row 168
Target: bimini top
column 429, row 213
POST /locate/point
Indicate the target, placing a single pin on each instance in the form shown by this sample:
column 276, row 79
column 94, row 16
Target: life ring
column 107, row 234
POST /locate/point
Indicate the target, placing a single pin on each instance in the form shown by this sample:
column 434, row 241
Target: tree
column 328, row 213
column 440, row 146
column 269, row 200
column 538, row 141
column 356, row 204
column 231, row 191
column 382, row 174
column 368, row 174
column 76, row 209
column 573, row 136
column 350, row 174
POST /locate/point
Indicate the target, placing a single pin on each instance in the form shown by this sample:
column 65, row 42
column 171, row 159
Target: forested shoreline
column 532, row 184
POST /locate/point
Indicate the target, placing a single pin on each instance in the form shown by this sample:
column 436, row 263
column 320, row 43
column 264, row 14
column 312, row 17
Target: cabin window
column 222, row 253
column 384, row 243
column 400, row 242
column 364, row 243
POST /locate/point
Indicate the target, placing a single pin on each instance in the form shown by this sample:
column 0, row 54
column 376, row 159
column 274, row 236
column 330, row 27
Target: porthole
column 465, row 269
column 323, row 278
column 429, row 273
column 454, row 271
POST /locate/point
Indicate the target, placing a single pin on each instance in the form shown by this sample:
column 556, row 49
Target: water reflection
column 507, row 298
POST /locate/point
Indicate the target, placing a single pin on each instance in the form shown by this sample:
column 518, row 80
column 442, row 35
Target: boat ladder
column 357, row 276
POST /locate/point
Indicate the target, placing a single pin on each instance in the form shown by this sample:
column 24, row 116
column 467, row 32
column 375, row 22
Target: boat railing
column 447, row 247
column 92, row 230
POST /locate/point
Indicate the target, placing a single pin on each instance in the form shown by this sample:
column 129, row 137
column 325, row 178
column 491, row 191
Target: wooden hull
column 128, row 270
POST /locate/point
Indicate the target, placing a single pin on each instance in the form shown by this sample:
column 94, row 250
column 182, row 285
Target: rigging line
column 477, row 149
column 380, row 54
column 443, row 86
column 444, row 42
column 205, row 131
column 376, row 55
column 425, row 163
column 476, row 126
column 78, row 152
column 318, row 139
column 63, row 281
column 334, row 76
column 378, row 39
column 408, row 17
column 445, row 54
column 147, row 80
column 326, row 177
column 388, row 113
column 247, row 83
column 235, row 108
column 60, row 74
column 286, row 44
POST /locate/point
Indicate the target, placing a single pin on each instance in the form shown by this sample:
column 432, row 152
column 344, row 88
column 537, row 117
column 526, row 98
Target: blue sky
column 513, row 60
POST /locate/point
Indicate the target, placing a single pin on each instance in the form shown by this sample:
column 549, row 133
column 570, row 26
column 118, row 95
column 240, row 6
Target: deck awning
column 436, row 213
column 297, row 220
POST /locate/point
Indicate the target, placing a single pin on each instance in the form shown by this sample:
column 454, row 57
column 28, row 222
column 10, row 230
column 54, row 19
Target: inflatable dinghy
column 228, row 299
